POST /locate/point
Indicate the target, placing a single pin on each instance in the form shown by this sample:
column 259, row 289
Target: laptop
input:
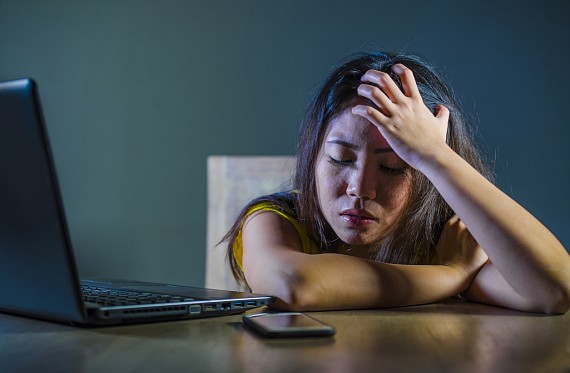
column 38, row 275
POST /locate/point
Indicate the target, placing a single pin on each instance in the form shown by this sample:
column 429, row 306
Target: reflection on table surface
column 443, row 337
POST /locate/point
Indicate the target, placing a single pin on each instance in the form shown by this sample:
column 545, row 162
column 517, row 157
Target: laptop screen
column 37, row 271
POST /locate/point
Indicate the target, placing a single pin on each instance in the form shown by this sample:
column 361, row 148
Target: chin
column 357, row 241
column 355, row 238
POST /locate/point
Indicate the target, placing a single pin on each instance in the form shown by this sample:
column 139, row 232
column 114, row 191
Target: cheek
column 319, row 179
column 329, row 184
column 396, row 193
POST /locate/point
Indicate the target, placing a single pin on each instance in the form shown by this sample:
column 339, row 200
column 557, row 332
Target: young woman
column 392, row 206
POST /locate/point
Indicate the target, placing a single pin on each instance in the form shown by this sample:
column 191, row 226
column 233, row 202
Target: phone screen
column 285, row 324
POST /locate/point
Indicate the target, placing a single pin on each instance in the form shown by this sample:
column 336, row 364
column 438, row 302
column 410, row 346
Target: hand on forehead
column 355, row 130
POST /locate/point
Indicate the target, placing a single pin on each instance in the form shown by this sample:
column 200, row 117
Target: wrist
column 458, row 279
column 435, row 162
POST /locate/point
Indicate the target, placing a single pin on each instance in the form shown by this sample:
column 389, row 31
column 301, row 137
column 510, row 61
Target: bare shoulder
column 269, row 240
column 269, row 230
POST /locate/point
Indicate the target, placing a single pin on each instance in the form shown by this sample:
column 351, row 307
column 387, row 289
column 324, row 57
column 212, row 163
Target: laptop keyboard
column 113, row 297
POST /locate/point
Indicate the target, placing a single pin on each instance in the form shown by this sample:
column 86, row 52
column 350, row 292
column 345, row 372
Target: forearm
column 334, row 281
column 274, row 264
column 529, row 258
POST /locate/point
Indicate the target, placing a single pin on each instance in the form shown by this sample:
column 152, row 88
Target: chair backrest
column 232, row 182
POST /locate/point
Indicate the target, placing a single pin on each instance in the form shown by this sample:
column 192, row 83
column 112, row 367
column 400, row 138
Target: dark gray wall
column 137, row 94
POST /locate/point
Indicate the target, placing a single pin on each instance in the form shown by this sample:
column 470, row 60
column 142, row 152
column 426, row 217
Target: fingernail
column 357, row 110
column 397, row 69
column 364, row 89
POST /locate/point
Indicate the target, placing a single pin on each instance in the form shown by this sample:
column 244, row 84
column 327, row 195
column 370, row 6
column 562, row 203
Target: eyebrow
column 354, row 147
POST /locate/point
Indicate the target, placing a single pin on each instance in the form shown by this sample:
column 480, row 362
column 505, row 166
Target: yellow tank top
column 309, row 246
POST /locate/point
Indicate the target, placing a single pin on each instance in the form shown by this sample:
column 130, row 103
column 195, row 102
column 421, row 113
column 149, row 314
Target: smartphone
column 287, row 324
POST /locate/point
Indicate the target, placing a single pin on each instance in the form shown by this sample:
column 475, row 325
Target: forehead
column 354, row 129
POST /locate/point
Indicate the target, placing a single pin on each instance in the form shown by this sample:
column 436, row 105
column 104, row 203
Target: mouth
column 357, row 217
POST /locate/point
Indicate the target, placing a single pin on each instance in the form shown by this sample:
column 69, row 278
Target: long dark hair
column 413, row 239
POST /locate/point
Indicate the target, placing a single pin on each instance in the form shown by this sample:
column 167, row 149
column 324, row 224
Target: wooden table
column 444, row 337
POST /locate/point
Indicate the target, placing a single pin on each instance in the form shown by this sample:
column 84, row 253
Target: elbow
column 559, row 302
column 297, row 293
column 556, row 302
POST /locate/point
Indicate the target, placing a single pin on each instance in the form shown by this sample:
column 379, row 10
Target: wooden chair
column 232, row 182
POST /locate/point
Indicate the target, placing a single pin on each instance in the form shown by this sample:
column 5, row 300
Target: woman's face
column 362, row 185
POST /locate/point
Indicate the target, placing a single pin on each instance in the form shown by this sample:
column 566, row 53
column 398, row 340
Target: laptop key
column 109, row 297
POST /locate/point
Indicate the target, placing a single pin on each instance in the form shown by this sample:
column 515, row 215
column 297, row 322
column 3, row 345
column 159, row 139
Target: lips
column 357, row 217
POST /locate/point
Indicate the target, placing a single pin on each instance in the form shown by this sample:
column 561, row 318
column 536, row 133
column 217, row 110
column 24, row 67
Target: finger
column 377, row 96
column 457, row 227
column 376, row 118
column 372, row 115
column 453, row 220
column 408, row 81
column 386, row 84
column 442, row 116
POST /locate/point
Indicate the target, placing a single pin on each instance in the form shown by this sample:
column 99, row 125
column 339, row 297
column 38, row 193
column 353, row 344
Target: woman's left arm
column 528, row 267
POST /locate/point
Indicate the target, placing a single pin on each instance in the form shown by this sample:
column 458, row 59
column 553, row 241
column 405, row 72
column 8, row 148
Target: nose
column 362, row 182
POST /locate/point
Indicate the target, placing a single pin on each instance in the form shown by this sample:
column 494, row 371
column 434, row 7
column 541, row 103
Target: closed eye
column 392, row 171
column 348, row 162
column 339, row 162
